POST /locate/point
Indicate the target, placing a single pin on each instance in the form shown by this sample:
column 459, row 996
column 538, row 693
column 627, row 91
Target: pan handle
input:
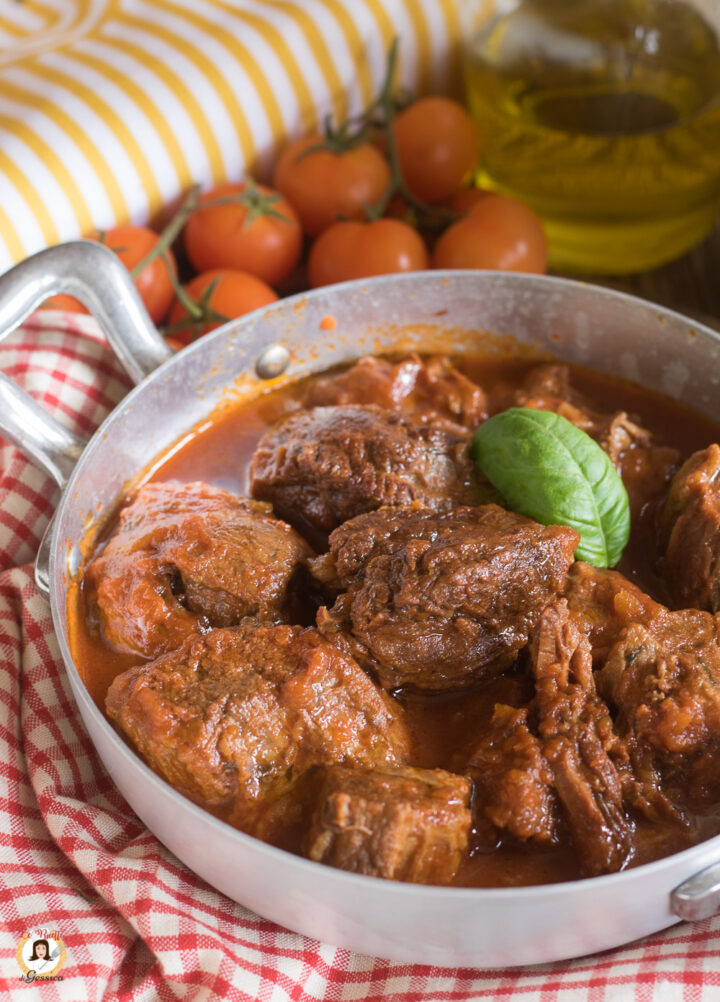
column 698, row 897
column 49, row 444
column 96, row 276
column 101, row 281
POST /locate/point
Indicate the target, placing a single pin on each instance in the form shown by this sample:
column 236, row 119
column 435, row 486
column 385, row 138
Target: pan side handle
column 49, row 444
column 699, row 896
column 25, row 423
column 97, row 277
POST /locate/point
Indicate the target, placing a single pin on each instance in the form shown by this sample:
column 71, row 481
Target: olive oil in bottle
column 603, row 115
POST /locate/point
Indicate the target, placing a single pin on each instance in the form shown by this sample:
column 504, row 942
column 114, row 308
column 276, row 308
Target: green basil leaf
column 551, row 471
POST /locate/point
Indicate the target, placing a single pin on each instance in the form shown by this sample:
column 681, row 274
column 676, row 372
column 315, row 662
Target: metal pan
column 451, row 311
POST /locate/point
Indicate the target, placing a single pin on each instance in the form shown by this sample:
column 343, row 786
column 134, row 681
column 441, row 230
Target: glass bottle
column 603, row 115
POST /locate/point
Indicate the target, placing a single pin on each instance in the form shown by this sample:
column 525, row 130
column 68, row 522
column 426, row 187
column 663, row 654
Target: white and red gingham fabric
column 137, row 925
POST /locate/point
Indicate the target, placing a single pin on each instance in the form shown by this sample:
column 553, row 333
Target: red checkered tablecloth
column 74, row 859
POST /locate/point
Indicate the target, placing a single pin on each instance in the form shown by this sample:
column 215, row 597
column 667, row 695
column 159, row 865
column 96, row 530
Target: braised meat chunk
column 603, row 603
column 326, row 465
column 190, row 555
column 402, row 824
column 430, row 390
column 663, row 679
column 547, row 388
column 616, row 434
column 513, row 779
column 645, row 466
column 690, row 532
column 579, row 743
column 561, row 765
column 438, row 600
column 238, row 713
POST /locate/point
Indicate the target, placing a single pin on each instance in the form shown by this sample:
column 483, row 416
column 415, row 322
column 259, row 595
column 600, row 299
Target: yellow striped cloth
column 109, row 109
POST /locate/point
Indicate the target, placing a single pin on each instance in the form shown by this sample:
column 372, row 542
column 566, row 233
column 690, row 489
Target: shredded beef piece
column 190, row 555
column 603, row 603
column 645, row 467
column 578, row 741
column 438, row 600
column 513, row 779
column 617, row 433
column 663, row 679
column 562, row 761
column 326, row 465
column 398, row 823
column 690, row 532
column 431, row 390
column 547, row 388
column 240, row 713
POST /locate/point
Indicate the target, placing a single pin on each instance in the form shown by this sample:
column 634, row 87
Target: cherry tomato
column 223, row 292
column 357, row 250
column 497, row 233
column 68, row 304
column 325, row 186
column 180, row 342
column 398, row 208
column 466, row 199
column 253, row 229
column 132, row 244
column 437, row 145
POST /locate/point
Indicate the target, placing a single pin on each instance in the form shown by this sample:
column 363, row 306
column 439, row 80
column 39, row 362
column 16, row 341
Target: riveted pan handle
column 96, row 276
column 49, row 444
column 699, row 896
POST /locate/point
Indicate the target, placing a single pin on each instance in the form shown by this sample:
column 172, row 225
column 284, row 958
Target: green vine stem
column 201, row 312
column 170, row 232
column 256, row 203
column 430, row 216
column 379, row 116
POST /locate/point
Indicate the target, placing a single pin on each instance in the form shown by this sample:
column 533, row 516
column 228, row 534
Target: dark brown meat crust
column 239, row 713
column 578, row 739
column 690, row 532
column 190, row 555
column 608, row 608
column 431, row 390
column 513, row 779
column 439, row 600
column 401, row 824
column 326, row 465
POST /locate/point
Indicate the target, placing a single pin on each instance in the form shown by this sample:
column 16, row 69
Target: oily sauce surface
column 442, row 726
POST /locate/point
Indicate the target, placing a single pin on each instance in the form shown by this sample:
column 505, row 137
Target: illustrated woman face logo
column 40, row 950
column 41, row 958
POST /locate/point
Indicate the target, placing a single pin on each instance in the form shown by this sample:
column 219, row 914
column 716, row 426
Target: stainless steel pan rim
column 445, row 926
